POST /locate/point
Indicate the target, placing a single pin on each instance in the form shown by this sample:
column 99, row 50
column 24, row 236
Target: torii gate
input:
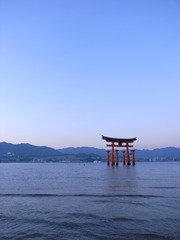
column 120, row 142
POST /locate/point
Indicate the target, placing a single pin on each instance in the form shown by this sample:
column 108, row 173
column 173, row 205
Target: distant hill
column 25, row 149
column 83, row 150
column 27, row 152
column 168, row 152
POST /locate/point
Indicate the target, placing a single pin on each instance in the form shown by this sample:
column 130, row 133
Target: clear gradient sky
column 72, row 70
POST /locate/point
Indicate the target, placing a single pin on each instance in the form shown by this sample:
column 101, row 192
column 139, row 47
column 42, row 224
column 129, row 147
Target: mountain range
column 168, row 152
column 28, row 151
column 25, row 149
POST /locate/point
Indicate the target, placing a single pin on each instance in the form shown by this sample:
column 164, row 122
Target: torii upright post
column 127, row 154
column 112, row 154
column 124, row 158
column 133, row 157
column 117, row 157
column 108, row 160
column 120, row 142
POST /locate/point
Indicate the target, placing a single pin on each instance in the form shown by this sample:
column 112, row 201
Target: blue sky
column 72, row 70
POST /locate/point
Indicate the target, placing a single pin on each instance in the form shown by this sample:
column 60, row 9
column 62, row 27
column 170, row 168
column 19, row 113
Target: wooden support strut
column 110, row 145
column 133, row 156
column 112, row 154
column 127, row 154
column 117, row 157
column 108, row 159
column 124, row 157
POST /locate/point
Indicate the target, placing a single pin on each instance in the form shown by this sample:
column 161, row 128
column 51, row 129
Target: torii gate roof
column 118, row 140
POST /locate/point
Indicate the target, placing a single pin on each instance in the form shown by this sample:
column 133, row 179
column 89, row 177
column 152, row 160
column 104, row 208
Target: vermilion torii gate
column 120, row 142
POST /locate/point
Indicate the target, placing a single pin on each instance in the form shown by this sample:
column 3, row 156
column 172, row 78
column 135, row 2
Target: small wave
column 34, row 235
column 36, row 221
column 28, row 195
column 165, row 187
column 124, row 219
column 151, row 236
column 84, row 215
column 80, row 195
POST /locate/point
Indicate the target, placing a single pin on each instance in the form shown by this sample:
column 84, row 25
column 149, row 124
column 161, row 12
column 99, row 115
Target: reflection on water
column 121, row 179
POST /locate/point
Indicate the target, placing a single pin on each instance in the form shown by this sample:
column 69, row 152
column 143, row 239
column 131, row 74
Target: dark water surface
column 90, row 201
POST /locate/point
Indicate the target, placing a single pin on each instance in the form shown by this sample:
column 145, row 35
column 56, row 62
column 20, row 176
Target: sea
column 90, row 201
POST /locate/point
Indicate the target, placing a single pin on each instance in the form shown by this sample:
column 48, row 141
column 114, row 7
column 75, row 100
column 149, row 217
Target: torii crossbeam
column 120, row 142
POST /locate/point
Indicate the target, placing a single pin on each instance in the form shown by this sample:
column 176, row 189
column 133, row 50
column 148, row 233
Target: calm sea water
column 90, row 201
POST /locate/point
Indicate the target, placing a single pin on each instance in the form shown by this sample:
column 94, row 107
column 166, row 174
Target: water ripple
column 80, row 195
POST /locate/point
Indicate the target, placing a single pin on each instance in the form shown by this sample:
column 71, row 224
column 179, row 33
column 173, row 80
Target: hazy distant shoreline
column 22, row 153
